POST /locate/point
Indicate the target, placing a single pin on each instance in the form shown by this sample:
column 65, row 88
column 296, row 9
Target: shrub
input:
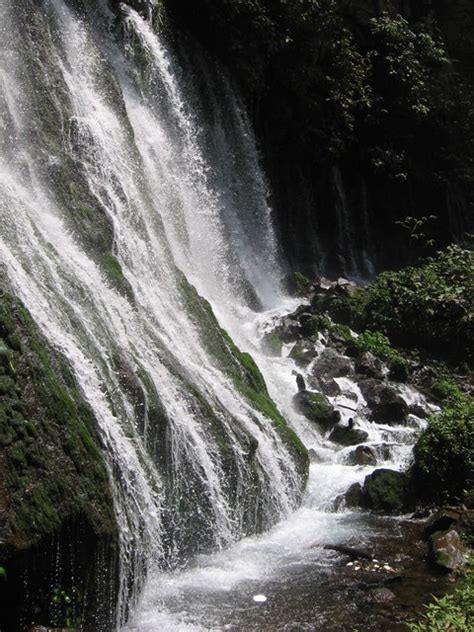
column 444, row 453
column 431, row 305
column 454, row 612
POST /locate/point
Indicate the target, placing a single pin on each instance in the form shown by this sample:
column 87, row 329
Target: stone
column 447, row 551
column 352, row 495
column 348, row 436
column 398, row 370
column 380, row 595
column 441, row 520
column 272, row 344
column 418, row 410
column 303, row 352
column 316, row 407
column 384, row 491
column 362, row 455
column 332, row 364
column 314, row 456
column 385, row 404
column 297, row 284
column 328, row 386
column 370, row 366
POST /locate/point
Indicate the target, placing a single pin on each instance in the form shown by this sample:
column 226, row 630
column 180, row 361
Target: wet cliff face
column 58, row 537
column 363, row 114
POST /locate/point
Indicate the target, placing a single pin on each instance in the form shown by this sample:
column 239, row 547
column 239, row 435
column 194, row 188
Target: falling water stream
column 100, row 119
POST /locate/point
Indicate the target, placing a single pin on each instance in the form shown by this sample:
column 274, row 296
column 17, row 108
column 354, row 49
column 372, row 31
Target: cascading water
column 124, row 169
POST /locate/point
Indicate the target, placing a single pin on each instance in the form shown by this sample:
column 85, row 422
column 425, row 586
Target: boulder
column 352, row 496
column 447, row 551
column 272, row 344
column 332, row 364
column 380, row 595
column 297, row 284
column 328, row 386
column 348, row 436
column 385, row 404
column 398, row 370
column 369, row 365
column 314, row 456
column 316, row 407
column 303, row 352
column 384, row 491
column 362, row 455
column 442, row 520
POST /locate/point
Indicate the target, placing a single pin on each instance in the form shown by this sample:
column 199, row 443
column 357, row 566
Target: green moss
column 51, row 466
column 297, row 284
column 241, row 369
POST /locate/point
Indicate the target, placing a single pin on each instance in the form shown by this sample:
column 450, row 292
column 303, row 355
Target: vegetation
column 444, row 453
column 381, row 95
column 430, row 305
column 453, row 612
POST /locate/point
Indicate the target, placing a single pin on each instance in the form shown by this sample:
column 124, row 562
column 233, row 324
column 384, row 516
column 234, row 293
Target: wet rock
column 352, row 496
column 385, row 491
column 310, row 324
column 380, row 595
column 385, row 404
column 297, row 284
column 272, row 344
column 332, row 364
column 314, row 456
column 348, row 436
column 316, row 407
column 398, row 370
column 362, row 455
column 328, row 386
column 418, row 410
column 303, row 352
column 370, row 366
column 442, row 520
column 447, row 551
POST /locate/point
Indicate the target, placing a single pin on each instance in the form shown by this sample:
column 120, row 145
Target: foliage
column 453, row 612
column 64, row 608
column 431, row 305
column 3, row 573
column 378, row 344
column 444, row 453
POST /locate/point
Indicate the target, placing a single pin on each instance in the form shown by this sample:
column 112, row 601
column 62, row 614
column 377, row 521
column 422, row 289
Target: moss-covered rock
column 54, row 484
column 297, row 284
column 316, row 408
column 385, row 491
column 242, row 370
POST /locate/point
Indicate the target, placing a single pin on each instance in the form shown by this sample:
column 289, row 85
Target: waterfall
column 111, row 188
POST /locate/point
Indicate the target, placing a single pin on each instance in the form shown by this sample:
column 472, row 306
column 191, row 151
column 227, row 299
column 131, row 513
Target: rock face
column 385, row 404
column 316, row 407
column 57, row 523
column 447, row 550
column 384, row 491
column 348, row 436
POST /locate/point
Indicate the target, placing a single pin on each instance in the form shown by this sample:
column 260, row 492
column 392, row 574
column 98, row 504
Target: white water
column 178, row 195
